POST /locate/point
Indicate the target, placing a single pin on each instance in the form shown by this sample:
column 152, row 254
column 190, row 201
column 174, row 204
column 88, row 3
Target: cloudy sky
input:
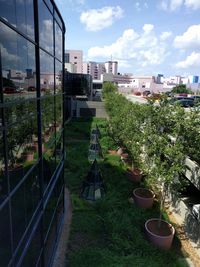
column 144, row 36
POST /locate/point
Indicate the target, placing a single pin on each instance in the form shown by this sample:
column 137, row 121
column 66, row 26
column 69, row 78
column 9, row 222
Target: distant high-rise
column 75, row 57
column 93, row 68
column 111, row 67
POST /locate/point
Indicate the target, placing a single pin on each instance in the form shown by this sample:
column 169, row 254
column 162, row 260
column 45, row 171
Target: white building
column 75, row 57
column 111, row 67
column 70, row 67
column 93, row 68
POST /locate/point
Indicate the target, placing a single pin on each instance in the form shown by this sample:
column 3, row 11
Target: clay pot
column 143, row 197
column 28, row 156
column 160, row 235
column 112, row 152
column 120, row 151
column 134, row 175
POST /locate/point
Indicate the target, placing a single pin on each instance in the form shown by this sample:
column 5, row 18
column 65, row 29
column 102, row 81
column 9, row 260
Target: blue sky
column 144, row 36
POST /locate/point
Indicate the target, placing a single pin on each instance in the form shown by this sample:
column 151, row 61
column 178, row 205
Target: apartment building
column 111, row 67
column 93, row 68
column 75, row 57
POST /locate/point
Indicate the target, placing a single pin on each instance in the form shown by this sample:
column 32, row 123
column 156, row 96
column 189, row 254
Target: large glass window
column 58, row 76
column 18, row 65
column 45, row 27
column 5, row 237
column 58, row 41
column 7, row 11
column 46, row 73
column 27, row 198
column 3, row 177
column 26, row 117
column 20, row 14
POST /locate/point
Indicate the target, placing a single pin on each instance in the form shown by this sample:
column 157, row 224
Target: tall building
column 31, row 132
column 75, row 57
column 93, row 68
column 111, row 67
column 193, row 79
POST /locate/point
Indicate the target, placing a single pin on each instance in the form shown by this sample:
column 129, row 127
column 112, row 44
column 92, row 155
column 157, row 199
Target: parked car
column 186, row 102
column 146, row 93
column 174, row 99
column 10, row 90
column 31, row 88
column 196, row 98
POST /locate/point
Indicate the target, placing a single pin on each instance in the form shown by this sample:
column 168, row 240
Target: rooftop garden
column 110, row 231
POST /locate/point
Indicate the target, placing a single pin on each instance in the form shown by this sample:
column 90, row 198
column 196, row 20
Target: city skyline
column 145, row 37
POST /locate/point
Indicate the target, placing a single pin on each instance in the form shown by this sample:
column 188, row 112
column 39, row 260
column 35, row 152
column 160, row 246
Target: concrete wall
column 98, row 106
column 193, row 172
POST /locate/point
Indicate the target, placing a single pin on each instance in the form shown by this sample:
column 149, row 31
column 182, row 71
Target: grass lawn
column 109, row 232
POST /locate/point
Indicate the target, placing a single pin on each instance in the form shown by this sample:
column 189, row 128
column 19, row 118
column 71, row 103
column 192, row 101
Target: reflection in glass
column 33, row 253
column 19, row 13
column 22, row 147
column 59, row 110
column 27, row 198
column 46, row 73
column 45, row 27
column 7, row 11
column 58, row 19
column 5, row 244
column 58, row 76
column 18, row 65
column 49, row 4
column 3, row 178
column 58, row 42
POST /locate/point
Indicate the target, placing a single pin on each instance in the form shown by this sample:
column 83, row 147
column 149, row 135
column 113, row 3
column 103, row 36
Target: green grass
column 109, row 232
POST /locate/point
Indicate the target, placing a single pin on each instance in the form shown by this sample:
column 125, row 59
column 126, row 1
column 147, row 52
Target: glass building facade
column 31, row 131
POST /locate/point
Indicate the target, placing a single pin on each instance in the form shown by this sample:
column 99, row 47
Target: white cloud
column 137, row 6
column 165, row 35
column 98, row 19
column 192, row 60
column 148, row 28
column 8, row 56
column 143, row 48
column 172, row 5
column 194, row 4
column 190, row 39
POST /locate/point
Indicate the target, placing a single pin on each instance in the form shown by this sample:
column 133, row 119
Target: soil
column 185, row 243
column 134, row 176
column 164, row 229
column 145, row 193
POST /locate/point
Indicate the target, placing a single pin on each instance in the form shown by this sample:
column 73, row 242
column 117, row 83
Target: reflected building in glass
column 31, row 131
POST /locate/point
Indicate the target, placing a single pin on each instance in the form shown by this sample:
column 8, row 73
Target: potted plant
column 165, row 163
column 143, row 197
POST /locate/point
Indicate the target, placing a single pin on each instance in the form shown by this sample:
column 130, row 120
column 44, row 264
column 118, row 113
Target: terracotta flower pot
column 112, row 152
column 120, row 151
column 134, row 175
column 143, row 197
column 28, row 156
column 162, row 236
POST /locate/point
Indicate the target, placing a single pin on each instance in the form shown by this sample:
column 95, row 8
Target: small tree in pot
column 165, row 163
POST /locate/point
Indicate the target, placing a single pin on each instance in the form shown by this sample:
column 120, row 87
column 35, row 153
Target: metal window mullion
column 5, row 148
column 64, row 113
column 39, row 123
